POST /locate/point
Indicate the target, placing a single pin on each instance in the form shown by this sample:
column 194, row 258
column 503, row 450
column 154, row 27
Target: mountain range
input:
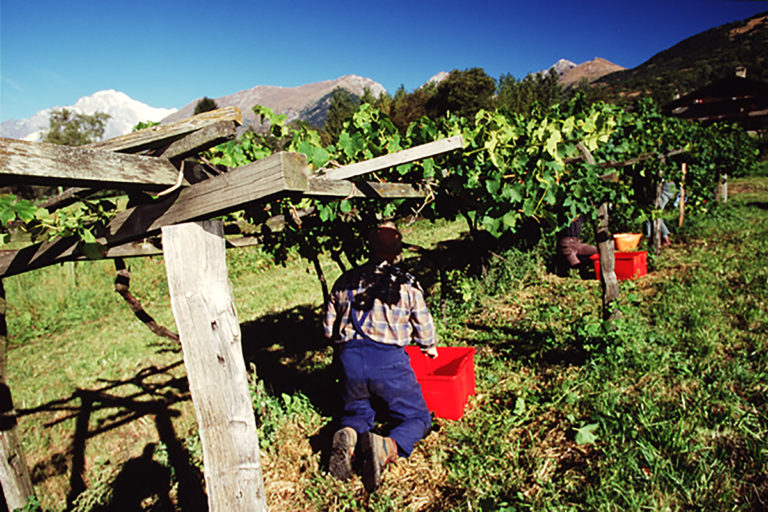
column 308, row 102
column 692, row 63
column 571, row 74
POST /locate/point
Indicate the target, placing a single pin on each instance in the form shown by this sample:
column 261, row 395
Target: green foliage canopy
column 73, row 128
column 522, row 96
column 342, row 105
column 463, row 93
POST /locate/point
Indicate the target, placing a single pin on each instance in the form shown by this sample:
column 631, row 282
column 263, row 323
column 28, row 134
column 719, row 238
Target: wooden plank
column 14, row 473
column 65, row 198
column 281, row 172
column 627, row 163
column 38, row 163
column 405, row 156
column 191, row 144
column 323, row 187
column 163, row 134
column 204, row 309
column 198, row 141
column 153, row 247
column 276, row 174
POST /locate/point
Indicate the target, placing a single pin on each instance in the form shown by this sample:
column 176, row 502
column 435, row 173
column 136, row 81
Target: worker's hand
column 431, row 352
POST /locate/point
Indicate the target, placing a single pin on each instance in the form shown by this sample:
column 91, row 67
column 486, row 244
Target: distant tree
column 463, row 93
column 590, row 93
column 383, row 102
column 74, row 129
column 407, row 108
column 343, row 104
column 522, row 96
column 367, row 96
column 205, row 104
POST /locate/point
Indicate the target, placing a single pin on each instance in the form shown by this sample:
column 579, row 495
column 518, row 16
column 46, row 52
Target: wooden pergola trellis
column 159, row 160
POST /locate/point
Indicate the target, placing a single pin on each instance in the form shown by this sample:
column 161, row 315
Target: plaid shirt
column 398, row 313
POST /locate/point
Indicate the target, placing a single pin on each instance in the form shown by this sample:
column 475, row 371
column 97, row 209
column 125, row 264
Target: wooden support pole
column 682, row 194
column 656, row 221
column 608, row 279
column 14, row 473
column 722, row 195
column 605, row 247
column 202, row 303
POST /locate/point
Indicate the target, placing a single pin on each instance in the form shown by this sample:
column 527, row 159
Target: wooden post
column 202, row 303
column 14, row 474
column 608, row 279
column 682, row 195
column 723, row 191
column 605, row 248
column 656, row 223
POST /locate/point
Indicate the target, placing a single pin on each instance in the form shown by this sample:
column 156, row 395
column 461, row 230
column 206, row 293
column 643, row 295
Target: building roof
column 731, row 99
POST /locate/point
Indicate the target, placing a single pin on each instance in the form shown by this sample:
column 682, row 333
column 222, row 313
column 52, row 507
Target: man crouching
column 373, row 312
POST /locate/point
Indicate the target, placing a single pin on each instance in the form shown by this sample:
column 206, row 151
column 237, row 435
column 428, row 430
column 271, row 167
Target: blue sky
column 168, row 53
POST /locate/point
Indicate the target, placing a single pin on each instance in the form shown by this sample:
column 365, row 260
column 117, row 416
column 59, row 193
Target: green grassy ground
column 666, row 410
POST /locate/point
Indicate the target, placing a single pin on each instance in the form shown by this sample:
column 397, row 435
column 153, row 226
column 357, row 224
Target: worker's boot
column 342, row 452
column 376, row 452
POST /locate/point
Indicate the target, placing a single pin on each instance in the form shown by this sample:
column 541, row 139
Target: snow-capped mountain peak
column 562, row 66
column 124, row 113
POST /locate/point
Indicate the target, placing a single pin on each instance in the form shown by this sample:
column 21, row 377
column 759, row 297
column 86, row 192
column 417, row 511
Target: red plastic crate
column 629, row 265
column 446, row 381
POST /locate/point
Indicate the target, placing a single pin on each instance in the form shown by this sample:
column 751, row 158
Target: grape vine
column 514, row 170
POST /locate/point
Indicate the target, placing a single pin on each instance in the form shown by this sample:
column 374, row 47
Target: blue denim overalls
column 373, row 370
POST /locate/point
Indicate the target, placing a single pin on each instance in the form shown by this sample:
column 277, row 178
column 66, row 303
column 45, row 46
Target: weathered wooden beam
column 276, row 174
column 324, row 187
column 163, row 134
column 626, row 163
column 67, row 197
column 204, row 309
column 189, row 145
column 405, row 156
column 198, row 141
column 153, row 247
column 38, row 163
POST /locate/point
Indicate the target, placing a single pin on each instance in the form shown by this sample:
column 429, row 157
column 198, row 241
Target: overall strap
column 358, row 324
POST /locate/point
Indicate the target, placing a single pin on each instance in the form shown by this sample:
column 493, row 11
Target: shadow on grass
column 290, row 354
column 530, row 345
column 763, row 205
column 139, row 476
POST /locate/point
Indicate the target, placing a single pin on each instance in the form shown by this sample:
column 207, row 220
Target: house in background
column 733, row 99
